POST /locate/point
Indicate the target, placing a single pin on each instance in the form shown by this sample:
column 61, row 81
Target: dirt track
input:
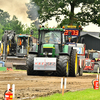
column 34, row 86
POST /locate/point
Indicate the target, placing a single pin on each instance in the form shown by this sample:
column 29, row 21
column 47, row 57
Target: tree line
column 14, row 24
column 43, row 10
column 89, row 11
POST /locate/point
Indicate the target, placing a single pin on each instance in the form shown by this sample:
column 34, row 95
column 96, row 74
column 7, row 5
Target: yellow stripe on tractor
column 1, row 48
column 49, row 47
column 76, row 64
column 7, row 49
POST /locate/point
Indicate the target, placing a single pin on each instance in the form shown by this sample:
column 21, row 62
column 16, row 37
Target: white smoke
column 33, row 13
column 17, row 8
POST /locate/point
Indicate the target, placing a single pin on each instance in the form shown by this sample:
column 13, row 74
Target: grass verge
column 88, row 94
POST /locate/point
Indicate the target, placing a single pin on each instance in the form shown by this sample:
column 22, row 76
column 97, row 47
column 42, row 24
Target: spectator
column 69, row 40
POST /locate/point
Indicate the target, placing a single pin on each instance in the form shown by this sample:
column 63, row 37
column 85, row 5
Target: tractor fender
column 67, row 53
column 32, row 52
column 62, row 53
column 70, row 49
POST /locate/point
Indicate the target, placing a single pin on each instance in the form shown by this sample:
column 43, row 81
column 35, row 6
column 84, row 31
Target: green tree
column 4, row 20
column 16, row 25
column 35, row 30
column 27, row 30
column 4, row 17
column 1, row 31
column 8, row 24
column 90, row 11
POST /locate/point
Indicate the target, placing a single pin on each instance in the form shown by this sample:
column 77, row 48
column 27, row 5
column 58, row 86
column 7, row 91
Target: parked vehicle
column 92, row 61
column 15, row 48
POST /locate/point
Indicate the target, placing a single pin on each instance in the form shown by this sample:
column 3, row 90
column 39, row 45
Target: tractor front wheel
column 30, row 65
column 63, row 66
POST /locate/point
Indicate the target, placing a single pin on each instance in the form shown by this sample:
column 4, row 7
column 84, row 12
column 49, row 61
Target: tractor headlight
column 49, row 53
column 45, row 53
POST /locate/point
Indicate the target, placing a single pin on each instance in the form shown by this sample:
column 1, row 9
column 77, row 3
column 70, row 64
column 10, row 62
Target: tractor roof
column 52, row 29
column 22, row 35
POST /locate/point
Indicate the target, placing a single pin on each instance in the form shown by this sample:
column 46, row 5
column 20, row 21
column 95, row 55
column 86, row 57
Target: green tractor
column 52, row 54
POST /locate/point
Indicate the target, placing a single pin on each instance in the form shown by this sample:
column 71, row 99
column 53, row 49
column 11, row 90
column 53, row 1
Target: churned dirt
column 28, row 87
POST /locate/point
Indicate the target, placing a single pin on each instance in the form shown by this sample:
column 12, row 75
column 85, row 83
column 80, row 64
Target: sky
column 18, row 8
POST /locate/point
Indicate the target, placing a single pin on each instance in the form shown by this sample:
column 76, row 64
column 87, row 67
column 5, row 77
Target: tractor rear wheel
column 30, row 65
column 63, row 66
column 73, row 67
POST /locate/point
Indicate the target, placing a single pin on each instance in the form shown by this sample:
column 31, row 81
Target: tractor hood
column 49, row 49
column 49, row 46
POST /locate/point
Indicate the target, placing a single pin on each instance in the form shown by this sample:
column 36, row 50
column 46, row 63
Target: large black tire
column 73, row 67
column 30, row 65
column 63, row 66
column 80, row 71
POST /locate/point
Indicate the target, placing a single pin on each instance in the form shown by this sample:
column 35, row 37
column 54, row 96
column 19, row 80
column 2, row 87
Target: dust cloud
column 17, row 8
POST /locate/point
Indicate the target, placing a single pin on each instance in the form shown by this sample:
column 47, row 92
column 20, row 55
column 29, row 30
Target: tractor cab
column 24, row 42
column 94, row 55
column 91, row 61
column 50, row 41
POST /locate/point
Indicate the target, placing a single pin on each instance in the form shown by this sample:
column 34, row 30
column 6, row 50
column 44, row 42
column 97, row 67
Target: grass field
column 88, row 94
